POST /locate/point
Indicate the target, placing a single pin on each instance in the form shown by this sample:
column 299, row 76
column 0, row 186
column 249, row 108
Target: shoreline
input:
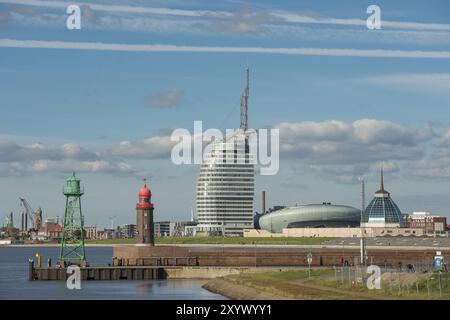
column 234, row 291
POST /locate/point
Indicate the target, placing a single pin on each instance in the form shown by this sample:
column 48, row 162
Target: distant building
column 50, row 230
column 350, row 232
column 431, row 224
column 91, row 232
column 178, row 228
column 323, row 215
column 382, row 211
column 127, row 231
column 107, row 234
column 54, row 232
column 162, row 228
column 204, row 231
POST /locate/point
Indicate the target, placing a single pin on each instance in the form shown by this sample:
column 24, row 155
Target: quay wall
column 261, row 257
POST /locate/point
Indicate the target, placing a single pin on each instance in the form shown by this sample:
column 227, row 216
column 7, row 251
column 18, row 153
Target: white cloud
column 413, row 81
column 67, row 165
column 368, row 53
column 165, row 99
column 344, row 151
column 120, row 8
column 437, row 162
column 339, row 150
column 149, row 148
column 39, row 158
column 288, row 17
column 239, row 22
column 309, row 19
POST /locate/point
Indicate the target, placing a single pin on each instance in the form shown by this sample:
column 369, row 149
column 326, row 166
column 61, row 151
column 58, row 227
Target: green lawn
column 219, row 240
column 286, row 284
column 322, row 285
column 111, row 241
column 411, row 291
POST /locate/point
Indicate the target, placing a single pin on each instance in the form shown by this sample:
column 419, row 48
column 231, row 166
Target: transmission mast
column 363, row 248
column 363, row 197
column 72, row 244
column 244, row 102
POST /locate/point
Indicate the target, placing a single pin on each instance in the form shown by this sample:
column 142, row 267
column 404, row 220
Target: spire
column 382, row 190
column 244, row 102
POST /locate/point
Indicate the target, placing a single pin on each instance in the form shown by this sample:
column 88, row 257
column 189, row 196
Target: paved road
column 393, row 242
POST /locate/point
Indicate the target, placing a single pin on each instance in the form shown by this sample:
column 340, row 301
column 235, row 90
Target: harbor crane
column 34, row 216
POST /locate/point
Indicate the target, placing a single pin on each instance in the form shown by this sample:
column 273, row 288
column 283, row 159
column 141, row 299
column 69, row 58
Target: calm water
column 14, row 284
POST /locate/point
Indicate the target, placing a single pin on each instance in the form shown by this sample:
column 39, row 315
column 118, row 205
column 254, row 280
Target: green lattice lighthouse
column 72, row 244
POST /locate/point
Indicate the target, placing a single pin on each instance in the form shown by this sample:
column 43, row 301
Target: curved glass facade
column 383, row 209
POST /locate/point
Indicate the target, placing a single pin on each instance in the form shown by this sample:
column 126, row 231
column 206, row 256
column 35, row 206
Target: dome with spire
column 145, row 192
column 382, row 211
column 145, row 197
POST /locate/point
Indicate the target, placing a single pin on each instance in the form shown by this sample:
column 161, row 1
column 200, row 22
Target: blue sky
column 108, row 114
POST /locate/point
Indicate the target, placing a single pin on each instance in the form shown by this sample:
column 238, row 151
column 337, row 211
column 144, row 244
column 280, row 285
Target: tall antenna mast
column 363, row 249
column 363, row 197
column 244, row 103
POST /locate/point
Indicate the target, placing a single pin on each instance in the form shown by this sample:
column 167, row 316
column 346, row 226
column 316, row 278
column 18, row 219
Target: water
column 14, row 283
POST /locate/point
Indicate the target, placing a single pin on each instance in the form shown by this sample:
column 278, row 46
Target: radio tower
column 363, row 197
column 363, row 249
column 244, row 103
column 72, row 244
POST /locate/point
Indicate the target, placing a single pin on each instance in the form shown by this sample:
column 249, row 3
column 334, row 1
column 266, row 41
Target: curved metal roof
column 312, row 215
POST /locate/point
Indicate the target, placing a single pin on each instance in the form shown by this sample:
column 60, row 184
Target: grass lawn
column 411, row 291
column 219, row 240
column 287, row 284
column 322, row 285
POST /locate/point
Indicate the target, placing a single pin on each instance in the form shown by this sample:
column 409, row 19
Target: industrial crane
column 34, row 216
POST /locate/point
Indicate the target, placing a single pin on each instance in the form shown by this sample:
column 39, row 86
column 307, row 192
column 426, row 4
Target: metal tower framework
column 244, row 103
column 72, row 244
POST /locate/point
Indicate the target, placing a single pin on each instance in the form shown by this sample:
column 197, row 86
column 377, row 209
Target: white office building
column 225, row 188
column 225, row 185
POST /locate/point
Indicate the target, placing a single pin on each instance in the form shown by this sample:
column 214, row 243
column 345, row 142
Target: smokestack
column 26, row 221
column 11, row 220
column 263, row 202
column 22, row 225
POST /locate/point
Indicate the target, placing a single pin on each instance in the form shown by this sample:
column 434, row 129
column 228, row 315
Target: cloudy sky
column 104, row 100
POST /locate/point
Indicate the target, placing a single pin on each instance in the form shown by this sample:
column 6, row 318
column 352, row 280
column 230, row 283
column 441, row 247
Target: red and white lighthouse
column 144, row 217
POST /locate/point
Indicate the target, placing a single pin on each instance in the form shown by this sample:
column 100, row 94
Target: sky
column 103, row 100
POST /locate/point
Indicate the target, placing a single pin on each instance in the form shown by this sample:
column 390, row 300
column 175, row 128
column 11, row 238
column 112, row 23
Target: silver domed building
column 323, row 215
column 382, row 211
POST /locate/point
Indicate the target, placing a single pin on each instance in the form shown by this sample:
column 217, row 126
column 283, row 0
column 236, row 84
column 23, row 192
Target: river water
column 14, row 283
